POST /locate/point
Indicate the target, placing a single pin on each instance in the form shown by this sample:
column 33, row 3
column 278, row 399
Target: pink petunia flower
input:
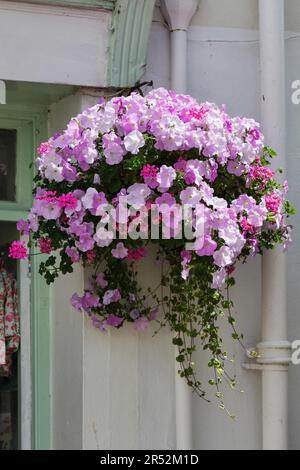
column 18, row 250
column 45, row 245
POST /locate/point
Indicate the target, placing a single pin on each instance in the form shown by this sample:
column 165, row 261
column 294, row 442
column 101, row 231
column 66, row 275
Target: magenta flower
column 219, row 278
column 48, row 210
column 76, row 302
column 33, row 222
column 45, row 245
column 44, row 148
column 141, row 324
column 186, row 256
column 248, row 229
column 99, row 324
column 114, row 321
column 85, row 242
column 235, row 167
column 262, row 173
column 85, row 302
column 101, row 281
column 90, row 301
column 190, row 196
column 18, row 250
column 138, row 194
column 136, row 254
column 120, row 251
column 208, row 248
column 254, row 135
column 181, row 164
column 23, row 227
column 69, row 172
column 166, row 178
column 223, row 257
column 257, row 215
column 274, row 202
column 67, row 201
column 73, row 254
column 113, row 148
column 149, row 173
column 243, row 203
column 94, row 201
column 90, row 256
column 111, row 296
column 167, row 199
column 190, row 177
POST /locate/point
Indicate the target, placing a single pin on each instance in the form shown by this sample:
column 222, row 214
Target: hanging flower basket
column 166, row 171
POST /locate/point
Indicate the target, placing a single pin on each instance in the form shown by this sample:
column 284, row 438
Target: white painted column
column 274, row 350
column 178, row 14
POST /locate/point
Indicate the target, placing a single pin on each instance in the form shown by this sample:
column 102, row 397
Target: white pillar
column 274, row 350
column 178, row 14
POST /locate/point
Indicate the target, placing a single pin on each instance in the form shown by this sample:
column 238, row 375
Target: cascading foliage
column 132, row 166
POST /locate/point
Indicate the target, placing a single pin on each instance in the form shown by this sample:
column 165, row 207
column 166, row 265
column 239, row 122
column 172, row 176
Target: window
column 8, row 146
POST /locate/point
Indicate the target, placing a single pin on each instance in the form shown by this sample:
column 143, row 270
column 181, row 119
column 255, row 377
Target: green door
column 27, row 417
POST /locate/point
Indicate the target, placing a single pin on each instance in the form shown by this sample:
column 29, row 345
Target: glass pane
column 9, row 342
column 8, row 144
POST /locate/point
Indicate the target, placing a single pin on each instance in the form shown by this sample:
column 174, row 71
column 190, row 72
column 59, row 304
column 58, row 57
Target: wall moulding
column 102, row 4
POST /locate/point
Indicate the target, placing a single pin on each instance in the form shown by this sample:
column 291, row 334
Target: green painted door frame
column 31, row 124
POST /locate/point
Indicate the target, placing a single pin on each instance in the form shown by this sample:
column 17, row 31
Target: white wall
column 223, row 66
column 53, row 44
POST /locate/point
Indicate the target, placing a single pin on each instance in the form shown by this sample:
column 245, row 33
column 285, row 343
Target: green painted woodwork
column 37, row 96
column 41, row 335
column 12, row 216
column 130, row 31
column 24, row 157
column 41, row 361
column 31, row 124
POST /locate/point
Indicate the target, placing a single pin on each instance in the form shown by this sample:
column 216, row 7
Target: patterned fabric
column 9, row 321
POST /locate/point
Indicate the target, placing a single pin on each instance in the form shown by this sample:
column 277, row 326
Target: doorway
column 24, row 369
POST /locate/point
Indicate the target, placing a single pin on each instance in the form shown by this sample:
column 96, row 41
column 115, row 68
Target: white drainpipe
column 178, row 14
column 274, row 350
